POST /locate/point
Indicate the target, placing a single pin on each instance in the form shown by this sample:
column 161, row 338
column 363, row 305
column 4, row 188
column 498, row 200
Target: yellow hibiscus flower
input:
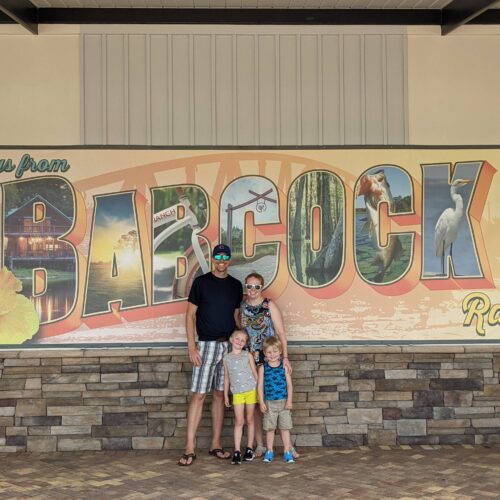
column 19, row 320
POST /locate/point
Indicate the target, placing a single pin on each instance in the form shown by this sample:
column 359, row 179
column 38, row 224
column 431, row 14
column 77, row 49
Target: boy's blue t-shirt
column 274, row 382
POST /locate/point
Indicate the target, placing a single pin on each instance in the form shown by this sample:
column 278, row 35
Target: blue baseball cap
column 221, row 249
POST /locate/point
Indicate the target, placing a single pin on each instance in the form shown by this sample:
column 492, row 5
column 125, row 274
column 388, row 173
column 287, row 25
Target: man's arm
column 194, row 353
column 237, row 318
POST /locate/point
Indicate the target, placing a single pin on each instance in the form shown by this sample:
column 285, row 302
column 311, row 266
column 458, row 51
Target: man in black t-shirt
column 213, row 305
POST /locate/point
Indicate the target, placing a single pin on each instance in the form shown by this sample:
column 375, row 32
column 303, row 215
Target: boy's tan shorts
column 277, row 416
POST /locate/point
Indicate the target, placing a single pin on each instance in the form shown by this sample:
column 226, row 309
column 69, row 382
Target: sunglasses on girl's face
column 248, row 286
column 222, row 257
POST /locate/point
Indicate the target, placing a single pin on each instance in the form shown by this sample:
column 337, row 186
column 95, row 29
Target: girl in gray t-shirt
column 240, row 375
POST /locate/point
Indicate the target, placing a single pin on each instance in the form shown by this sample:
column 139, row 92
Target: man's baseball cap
column 221, row 249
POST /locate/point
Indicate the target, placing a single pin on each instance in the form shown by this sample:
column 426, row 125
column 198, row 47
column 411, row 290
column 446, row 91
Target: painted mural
column 102, row 246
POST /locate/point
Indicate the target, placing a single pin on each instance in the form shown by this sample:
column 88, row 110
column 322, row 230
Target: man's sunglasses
column 222, row 257
column 248, row 286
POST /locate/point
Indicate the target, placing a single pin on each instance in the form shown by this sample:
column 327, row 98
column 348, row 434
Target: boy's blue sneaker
column 268, row 456
column 288, row 457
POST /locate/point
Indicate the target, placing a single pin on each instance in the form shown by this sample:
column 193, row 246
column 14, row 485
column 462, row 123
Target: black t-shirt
column 216, row 298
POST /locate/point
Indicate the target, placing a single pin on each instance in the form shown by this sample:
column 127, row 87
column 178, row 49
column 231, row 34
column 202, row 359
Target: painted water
column 56, row 302
column 366, row 254
column 127, row 287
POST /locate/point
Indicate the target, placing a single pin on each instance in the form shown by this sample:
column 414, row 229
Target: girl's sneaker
column 268, row 456
column 249, row 455
column 288, row 457
column 236, row 460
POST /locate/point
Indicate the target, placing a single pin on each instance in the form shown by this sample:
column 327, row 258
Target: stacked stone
column 93, row 399
column 395, row 395
column 136, row 398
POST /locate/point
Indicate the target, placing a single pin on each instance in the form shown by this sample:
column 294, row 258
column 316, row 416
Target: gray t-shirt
column 241, row 378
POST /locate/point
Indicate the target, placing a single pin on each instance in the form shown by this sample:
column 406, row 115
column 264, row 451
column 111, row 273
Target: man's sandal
column 186, row 457
column 259, row 451
column 219, row 453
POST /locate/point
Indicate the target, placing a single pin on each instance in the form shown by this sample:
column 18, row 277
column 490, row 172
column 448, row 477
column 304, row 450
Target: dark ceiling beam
column 491, row 16
column 460, row 12
column 240, row 16
column 22, row 12
column 457, row 13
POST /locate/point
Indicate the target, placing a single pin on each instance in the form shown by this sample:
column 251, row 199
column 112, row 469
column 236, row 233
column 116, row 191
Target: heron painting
column 448, row 224
column 448, row 234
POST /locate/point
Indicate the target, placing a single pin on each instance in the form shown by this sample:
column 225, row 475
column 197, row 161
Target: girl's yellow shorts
column 245, row 398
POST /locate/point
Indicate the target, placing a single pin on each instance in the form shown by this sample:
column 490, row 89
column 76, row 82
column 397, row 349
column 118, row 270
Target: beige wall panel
column 224, row 89
column 161, row 102
column 94, row 91
column 454, row 84
column 448, row 96
column 353, row 87
column 374, row 80
column 181, row 90
column 332, row 116
column 310, row 92
column 138, row 90
column 244, row 86
column 288, row 89
column 116, row 88
column 203, row 98
column 246, row 89
column 39, row 88
column 396, row 102
column 267, row 90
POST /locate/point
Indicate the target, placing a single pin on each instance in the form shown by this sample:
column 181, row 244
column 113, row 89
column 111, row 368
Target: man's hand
column 226, row 401
column 195, row 356
column 287, row 365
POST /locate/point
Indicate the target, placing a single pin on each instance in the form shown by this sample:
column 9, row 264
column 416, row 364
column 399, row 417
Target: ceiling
column 448, row 14
column 280, row 4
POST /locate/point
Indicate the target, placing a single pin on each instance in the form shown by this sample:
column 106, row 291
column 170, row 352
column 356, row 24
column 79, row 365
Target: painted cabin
column 31, row 233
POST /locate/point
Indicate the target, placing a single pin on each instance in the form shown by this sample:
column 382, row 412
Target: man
column 213, row 305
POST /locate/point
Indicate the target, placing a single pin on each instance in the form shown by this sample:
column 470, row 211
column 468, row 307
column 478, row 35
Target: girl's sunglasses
column 222, row 257
column 248, row 286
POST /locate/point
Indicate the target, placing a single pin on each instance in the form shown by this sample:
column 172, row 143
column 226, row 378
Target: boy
column 240, row 374
column 275, row 392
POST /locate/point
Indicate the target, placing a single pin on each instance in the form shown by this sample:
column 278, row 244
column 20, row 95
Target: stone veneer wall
column 136, row 398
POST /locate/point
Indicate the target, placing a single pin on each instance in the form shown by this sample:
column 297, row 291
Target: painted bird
column 446, row 230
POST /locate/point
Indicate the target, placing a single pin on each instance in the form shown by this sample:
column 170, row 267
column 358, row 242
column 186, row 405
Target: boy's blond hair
column 272, row 342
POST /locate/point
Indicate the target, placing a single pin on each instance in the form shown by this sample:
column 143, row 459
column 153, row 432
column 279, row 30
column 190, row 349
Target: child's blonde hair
column 272, row 342
column 236, row 332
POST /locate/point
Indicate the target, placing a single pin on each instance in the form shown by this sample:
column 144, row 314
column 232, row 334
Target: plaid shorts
column 210, row 375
